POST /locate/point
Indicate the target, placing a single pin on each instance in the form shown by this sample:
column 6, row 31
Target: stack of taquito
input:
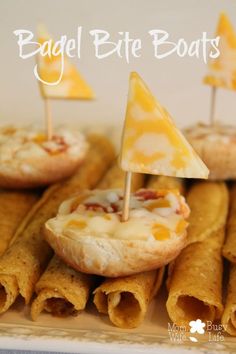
column 229, row 252
column 63, row 291
column 195, row 277
column 15, row 210
column 24, row 261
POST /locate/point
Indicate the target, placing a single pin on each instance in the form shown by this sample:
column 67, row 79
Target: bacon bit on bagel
column 112, row 208
column 95, row 207
column 61, row 145
column 146, row 194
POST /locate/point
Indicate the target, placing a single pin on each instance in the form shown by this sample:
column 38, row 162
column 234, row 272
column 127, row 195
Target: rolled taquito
column 14, row 207
column 167, row 182
column 228, row 319
column 229, row 249
column 61, row 290
column 24, row 261
column 209, row 208
column 195, row 277
column 126, row 299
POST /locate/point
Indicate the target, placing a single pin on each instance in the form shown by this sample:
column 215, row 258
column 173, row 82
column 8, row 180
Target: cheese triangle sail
column 70, row 86
column 151, row 143
column 222, row 70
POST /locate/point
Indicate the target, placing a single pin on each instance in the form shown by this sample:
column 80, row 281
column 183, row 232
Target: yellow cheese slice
column 71, row 85
column 222, row 70
column 151, row 142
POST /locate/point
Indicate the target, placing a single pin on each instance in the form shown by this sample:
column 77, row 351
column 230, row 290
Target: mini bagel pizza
column 28, row 159
column 89, row 235
column 216, row 145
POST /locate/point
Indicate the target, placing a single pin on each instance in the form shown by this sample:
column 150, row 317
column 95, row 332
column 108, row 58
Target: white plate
column 90, row 332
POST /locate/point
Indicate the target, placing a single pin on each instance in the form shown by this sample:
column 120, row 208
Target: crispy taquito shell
column 14, row 207
column 208, row 202
column 166, row 182
column 229, row 252
column 229, row 249
column 229, row 315
column 23, row 262
column 126, row 299
column 61, row 290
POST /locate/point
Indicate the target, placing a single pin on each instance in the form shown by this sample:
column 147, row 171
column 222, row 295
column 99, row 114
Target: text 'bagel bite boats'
column 114, row 233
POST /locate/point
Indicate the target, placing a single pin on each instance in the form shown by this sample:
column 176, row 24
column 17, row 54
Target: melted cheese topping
column 26, row 143
column 224, row 134
column 222, row 70
column 72, row 85
column 154, row 216
column 151, row 142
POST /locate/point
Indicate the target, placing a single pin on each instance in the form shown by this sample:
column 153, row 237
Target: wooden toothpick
column 48, row 118
column 127, row 190
column 213, row 104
